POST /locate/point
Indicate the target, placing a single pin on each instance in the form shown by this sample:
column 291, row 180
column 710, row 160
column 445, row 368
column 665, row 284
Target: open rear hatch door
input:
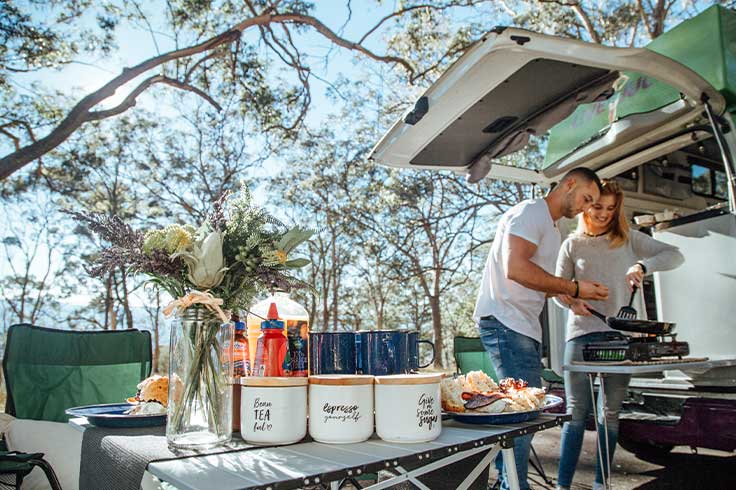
column 514, row 84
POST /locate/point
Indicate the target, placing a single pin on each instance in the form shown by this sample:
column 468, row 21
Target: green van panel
column 706, row 44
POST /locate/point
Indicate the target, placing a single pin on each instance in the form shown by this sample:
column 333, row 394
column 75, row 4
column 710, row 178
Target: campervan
column 658, row 119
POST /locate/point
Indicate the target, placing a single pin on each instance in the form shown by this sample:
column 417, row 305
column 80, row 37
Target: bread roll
column 480, row 382
column 154, row 389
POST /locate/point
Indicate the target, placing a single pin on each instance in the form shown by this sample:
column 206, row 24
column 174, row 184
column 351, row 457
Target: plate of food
column 146, row 409
column 475, row 398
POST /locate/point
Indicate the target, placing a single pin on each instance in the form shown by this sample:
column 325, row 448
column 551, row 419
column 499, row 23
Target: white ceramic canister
column 340, row 408
column 273, row 410
column 408, row 407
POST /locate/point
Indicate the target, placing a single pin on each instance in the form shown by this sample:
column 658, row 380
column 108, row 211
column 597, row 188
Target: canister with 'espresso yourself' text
column 340, row 408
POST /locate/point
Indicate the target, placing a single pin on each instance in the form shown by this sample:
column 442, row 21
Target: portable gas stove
column 636, row 349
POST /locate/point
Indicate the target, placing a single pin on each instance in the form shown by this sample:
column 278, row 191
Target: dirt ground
column 679, row 470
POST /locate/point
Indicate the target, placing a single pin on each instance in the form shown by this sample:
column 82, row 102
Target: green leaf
column 296, row 263
column 293, row 238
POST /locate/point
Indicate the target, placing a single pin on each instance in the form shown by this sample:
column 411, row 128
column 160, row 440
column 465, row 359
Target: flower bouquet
column 211, row 270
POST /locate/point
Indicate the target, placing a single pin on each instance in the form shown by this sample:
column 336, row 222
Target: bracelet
column 643, row 267
column 577, row 288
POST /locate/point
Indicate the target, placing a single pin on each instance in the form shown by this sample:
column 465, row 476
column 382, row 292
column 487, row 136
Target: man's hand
column 592, row 290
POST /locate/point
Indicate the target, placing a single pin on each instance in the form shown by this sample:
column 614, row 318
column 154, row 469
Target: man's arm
column 521, row 269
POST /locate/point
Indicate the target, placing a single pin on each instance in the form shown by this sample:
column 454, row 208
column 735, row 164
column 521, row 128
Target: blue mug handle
column 433, row 352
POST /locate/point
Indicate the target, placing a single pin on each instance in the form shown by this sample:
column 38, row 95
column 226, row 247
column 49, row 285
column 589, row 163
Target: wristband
column 577, row 288
column 643, row 267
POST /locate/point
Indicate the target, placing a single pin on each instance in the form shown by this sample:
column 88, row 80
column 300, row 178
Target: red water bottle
column 272, row 346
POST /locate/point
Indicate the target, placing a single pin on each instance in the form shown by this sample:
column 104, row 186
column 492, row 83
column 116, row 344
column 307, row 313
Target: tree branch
column 81, row 114
column 585, row 18
column 644, row 18
column 582, row 15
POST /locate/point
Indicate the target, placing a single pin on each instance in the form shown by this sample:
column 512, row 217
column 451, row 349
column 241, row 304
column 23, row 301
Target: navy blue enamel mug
column 383, row 352
column 414, row 342
column 332, row 353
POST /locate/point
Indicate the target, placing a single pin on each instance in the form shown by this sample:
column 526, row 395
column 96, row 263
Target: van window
column 708, row 181
column 702, row 180
column 720, row 185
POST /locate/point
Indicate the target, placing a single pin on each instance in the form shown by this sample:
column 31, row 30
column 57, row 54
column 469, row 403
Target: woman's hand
column 578, row 306
column 634, row 276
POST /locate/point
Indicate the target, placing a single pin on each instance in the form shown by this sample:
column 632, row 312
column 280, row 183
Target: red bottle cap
column 273, row 312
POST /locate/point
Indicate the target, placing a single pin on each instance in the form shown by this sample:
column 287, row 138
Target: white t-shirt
column 512, row 304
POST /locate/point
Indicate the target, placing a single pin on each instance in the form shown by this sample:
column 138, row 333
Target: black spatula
column 628, row 312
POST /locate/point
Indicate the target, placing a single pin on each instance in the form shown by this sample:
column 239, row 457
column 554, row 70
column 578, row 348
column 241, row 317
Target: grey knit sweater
column 591, row 259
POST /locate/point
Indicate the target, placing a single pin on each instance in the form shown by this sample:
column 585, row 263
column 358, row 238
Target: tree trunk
column 109, row 313
column 434, row 304
column 156, row 335
column 126, row 303
column 334, row 272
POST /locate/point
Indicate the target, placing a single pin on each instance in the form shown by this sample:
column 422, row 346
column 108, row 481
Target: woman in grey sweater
column 602, row 249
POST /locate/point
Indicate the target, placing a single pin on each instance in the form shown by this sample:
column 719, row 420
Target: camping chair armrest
column 19, row 456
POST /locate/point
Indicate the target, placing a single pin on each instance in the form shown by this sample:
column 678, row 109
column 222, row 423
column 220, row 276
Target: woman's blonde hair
column 618, row 229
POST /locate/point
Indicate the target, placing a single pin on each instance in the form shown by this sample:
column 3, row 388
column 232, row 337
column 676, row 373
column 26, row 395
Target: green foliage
column 29, row 44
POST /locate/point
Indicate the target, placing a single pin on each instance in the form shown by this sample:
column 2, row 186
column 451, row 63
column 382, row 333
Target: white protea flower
column 205, row 262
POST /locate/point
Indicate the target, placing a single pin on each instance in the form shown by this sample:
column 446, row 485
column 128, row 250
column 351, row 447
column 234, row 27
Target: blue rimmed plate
column 550, row 401
column 113, row 415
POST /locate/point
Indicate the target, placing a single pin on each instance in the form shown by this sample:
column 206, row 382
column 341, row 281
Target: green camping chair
column 47, row 371
column 15, row 466
column 470, row 355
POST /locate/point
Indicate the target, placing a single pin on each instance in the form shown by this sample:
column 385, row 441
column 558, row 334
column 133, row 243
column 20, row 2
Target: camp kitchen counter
column 250, row 467
column 601, row 369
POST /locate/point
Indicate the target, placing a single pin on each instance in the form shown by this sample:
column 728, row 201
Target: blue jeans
column 580, row 405
column 513, row 356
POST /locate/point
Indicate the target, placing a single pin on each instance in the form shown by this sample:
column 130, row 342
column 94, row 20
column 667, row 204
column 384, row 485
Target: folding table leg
column 599, row 443
column 480, row 467
column 509, row 465
column 428, row 468
column 412, row 479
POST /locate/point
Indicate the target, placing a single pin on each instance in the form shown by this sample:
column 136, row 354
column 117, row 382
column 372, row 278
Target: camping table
column 312, row 463
column 600, row 369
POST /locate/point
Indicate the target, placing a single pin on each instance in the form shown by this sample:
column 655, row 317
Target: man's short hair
column 586, row 174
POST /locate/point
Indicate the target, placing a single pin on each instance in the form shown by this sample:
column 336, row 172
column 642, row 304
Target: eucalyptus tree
column 104, row 181
column 195, row 157
column 208, row 46
column 313, row 183
column 32, row 260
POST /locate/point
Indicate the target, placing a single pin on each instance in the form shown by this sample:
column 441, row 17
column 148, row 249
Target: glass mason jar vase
column 199, row 410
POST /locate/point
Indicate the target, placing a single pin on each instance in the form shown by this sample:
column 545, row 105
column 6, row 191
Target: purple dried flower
column 217, row 217
column 126, row 248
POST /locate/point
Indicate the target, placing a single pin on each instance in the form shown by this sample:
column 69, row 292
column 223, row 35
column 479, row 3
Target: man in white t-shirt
column 517, row 278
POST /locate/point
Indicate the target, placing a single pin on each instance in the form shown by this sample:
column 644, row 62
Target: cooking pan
column 638, row 326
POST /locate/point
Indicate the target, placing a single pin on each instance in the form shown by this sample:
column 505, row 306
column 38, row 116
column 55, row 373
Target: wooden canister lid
column 409, row 379
column 266, row 381
column 341, row 379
